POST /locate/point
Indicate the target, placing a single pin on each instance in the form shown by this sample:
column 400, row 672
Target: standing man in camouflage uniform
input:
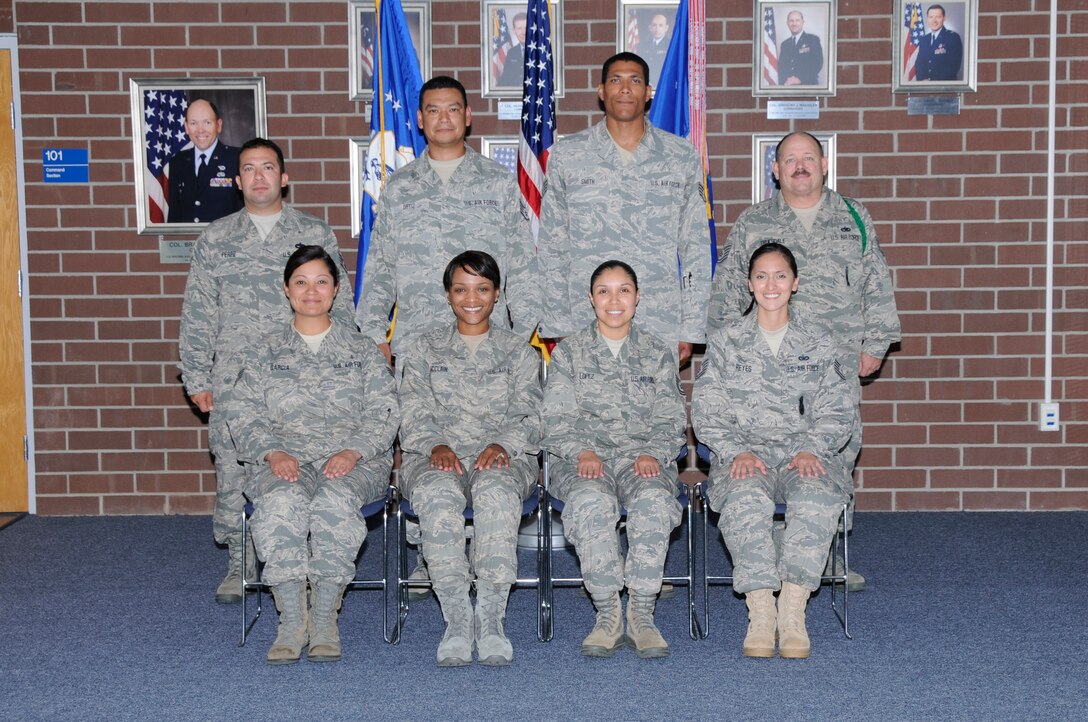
column 446, row 201
column 775, row 405
column 313, row 414
column 624, row 189
column 234, row 296
column 847, row 285
column 470, row 397
column 614, row 420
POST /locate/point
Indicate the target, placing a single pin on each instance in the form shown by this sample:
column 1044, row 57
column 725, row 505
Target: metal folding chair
column 835, row 579
column 381, row 506
column 404, row 513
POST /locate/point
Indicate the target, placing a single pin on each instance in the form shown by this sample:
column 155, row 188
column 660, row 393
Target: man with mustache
column 846, row 286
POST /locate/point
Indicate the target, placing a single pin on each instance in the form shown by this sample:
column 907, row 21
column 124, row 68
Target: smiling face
column 311, row 290
column 935, row 19
column 472, row 299
column 614, row 297
column 772, row 282
column 444, row 119
column 202, row 125
column 658, row 27
column 624, row 92
column 800, row 169
column 796, row 22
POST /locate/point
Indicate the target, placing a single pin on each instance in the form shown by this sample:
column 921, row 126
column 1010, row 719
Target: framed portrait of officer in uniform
column 506, row 28
column 363, row 48
column 645, row 28
column 185, row 140
column 793, row 51
column 934, row 47
column 764, row 184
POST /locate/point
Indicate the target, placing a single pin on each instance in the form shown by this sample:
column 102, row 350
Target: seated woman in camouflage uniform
column 774, row 402
column 470, row 397
column 313, row 415
column 614, row 421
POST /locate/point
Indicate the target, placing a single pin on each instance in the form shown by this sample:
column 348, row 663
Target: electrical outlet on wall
column 1048, row 417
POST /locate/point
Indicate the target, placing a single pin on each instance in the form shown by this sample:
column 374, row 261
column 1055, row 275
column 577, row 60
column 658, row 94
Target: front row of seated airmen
column 316, row 410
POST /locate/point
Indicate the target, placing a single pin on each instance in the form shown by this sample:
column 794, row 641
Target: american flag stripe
column 164, row 135
column 538, row 112
column 915, row 30
column 770, row 48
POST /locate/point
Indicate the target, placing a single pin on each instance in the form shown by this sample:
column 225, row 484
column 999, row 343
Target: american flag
column 367, row 44
column 538, row 113
column 912, row 18
column 501, row 44
column 770, row 188
column 164, row 135
column 507, row 157
column 632, row 32
column 770, row 48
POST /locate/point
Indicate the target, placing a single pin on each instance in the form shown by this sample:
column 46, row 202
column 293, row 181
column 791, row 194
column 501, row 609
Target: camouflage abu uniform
column 596, row 208
column 803, row 399
column 314, row 406
column 468, row 401
column 844, row 286
column 234, row 298
column 422, row 223
column 618, row 408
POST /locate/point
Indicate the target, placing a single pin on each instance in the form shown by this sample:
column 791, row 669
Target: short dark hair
column 442, row 82
column 263, row 143
column 625, row 57
column 773, row 247
column 519, row 16
column 215, row 108
column 814, row 139
column 936, row 7
column 305, row 254
column 609, row 265
column 476, row 263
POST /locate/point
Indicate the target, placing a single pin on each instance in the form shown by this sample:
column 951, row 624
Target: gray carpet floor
column 967, row 616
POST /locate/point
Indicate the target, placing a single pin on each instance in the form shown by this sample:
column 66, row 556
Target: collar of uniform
column 427, row 173
column 601, row 348
column 648, row 147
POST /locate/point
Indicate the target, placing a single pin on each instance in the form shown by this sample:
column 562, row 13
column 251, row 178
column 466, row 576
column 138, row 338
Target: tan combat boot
column 792, row 636
column 492, row 646
column 455, row 649
column 642, row 634
column 324, row 633
column 291, row 636
column 607, row 634
column 229, row 590
column 759, row 642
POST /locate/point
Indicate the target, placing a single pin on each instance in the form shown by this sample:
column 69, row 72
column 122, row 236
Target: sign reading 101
column 65, row 165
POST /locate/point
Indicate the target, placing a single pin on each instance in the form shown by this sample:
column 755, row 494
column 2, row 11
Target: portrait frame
column 633, row 19
column 361, row 16
column 503, row 149
column 764, row 185
column 961, row 18
column 241, row 103
column 819, row 20
column 492, row 87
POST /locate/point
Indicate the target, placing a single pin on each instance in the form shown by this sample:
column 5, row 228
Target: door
column 13, row 480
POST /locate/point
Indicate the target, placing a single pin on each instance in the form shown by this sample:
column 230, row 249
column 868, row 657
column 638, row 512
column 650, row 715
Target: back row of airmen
column 619, row 191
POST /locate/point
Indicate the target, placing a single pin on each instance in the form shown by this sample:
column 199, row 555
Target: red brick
column 927, row 456
column 994, row 501
column 895, row 479
column 101, row 483
column 961, row 478
column 1029, row 478
column 133, row 461
column 927, row 501
column 168, row 483
column 134, row 504
column 1058, row 500
column 873, row 500
column 191, row 504
column 69, row 505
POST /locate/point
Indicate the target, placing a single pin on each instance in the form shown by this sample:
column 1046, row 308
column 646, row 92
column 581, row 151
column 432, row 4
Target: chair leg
column 246, row 584
column 694, row 631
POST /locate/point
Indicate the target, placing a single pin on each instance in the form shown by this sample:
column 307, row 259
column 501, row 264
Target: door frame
column 10, row 42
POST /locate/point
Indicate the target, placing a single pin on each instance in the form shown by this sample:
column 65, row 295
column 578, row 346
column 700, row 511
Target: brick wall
column 959, row 203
